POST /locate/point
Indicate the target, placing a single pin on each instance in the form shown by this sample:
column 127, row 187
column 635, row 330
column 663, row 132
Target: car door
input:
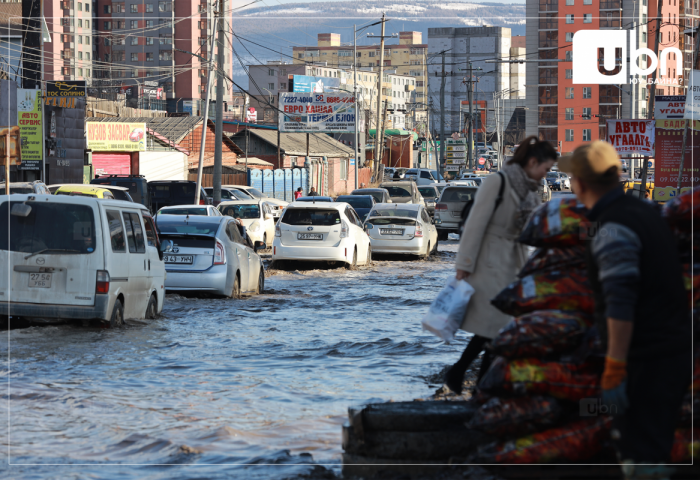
column 268, row 223
column 428, row 225
column 242, row 253
column 155, row 277
column 136, row 244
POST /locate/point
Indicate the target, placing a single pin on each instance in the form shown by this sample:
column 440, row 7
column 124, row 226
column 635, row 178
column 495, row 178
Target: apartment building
column 408, row 58
column 567, row 114
column 474, row 45
column 71, row 52
column 269, row 80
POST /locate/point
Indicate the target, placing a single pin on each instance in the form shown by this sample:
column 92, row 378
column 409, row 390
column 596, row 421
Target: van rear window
column 52, row 227
column 311, row 216
column 457, row 194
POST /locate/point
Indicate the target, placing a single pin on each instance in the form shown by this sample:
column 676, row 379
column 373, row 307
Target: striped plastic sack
column 516, row 416
column 545, row 259
column 561, row 222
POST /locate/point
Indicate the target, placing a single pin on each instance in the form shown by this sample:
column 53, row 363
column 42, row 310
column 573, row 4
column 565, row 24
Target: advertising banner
column 669, row 144
column 692, row 100
column 317, row 112
column 116, row 137
column 30, row 124
column 451, row 168
column 72, row 88
column 634, row 137
column 309, row 84
column 669, row 106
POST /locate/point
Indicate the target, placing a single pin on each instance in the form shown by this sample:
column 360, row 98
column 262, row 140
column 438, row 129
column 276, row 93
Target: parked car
column 448, row 210
column 424, row 176
column 228, row 194
column 119, row 193
column 565, row 180
column 78, row 257
column 381, row 195
column 401, row 228
column 361, row 203
column 166, row 193
column 314, row 198
column 255, row 216
column 137, row 185
column 275, row 204
column 324, row 231
column 403, row 191
column 209, row 254
column 557, row 180
column 430, row 194
column 440, row 187
column 390, row 171
column 206, row 210
column 36, row 187
column 544, row 191
column 80, row 190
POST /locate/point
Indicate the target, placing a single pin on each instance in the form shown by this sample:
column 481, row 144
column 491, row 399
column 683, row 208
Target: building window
column 134, row 9
column 80, row 23
column 587, row 112
column 345, row 53
column 587, row 135
column 149, row 8
column 87, row 22
column 80, row 72
column 569, row 93
column 87, row 9
column 149, row 40
column 165, row 39
column 587, row 18
column 569, row 73
column 644, row 37
column 270, row 86
column 586, row 92
column 568, row 56
column 165, row 55
column 165, row 6
column 108, row 9
column 569, row 135
column 569, row 2
column 134, row 40
column 134, row 57
column 80, row 39
column 569, row 114
column 149, row 23
column 372, row 53
column 569, row 36
column 588, row 2
column 80, row 55
column 569, row 18
column 270, row 72
column 134, row 23
column 343, row 169
column 149, row 56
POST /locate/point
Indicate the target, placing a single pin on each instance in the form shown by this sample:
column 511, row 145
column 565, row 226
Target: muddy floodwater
column 214, row 388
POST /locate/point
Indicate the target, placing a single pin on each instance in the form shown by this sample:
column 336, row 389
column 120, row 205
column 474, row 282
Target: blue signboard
column 305, row 83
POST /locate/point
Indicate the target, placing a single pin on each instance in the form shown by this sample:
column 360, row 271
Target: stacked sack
column 541, row 392
column 680, row 213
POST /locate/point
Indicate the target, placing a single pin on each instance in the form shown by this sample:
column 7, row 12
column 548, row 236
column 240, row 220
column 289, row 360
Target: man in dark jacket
column 641, row 310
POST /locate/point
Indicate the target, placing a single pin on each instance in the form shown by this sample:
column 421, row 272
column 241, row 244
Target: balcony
column 547, row 95
column 548, row 21
column 548, row 76
column 549, row 39
column 547, row 116
column 610, row 4
column 548, row 6
column 609, row 94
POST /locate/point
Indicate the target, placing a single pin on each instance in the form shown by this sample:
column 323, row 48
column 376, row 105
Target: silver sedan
column 401, row 228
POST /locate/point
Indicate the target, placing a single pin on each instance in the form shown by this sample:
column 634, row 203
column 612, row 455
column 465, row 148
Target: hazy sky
column 272, row 3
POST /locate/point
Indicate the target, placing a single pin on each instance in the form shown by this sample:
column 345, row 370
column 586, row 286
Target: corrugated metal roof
column 320, row 144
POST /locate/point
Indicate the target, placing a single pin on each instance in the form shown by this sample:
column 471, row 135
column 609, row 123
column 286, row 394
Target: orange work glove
column 614, row 374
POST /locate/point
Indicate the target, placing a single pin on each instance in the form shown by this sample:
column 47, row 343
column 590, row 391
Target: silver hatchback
column 448, row 210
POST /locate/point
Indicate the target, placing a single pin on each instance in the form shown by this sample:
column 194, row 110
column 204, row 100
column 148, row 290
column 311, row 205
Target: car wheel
column 435, row 248
column 236, row 291
column 369, row 256
column 427, row 252
column 265, row 239
column 117, row 319
column 261, row 281
column 151, row 308
column 353, row 265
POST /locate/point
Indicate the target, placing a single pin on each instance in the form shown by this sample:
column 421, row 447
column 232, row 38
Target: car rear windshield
column 427, row 192
column 378, row 196
column 209, row 229
column 392, row 221
column 457, row 194
column 355, row 201
column 311, row 216
column 183, row 211
column 173, row 190
column 51, row 226
column 398, row 191
column 241, row 211
column 182, row 241
column 394, row 212
column 552, row 175
column 16, row 190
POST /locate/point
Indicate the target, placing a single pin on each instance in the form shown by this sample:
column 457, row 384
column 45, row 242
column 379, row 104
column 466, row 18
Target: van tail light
column 278, row 230
column 440, row 206
column 419, row 231
column 202, row 202
column 219, row 254
column 102, row 285
column 344, row 230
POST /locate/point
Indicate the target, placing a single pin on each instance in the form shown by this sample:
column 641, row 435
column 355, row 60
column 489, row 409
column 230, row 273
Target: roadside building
column 72, row 50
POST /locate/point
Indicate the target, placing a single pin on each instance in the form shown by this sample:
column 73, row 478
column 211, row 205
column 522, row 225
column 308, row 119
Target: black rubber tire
column 236, row 290
column 353, row 265
column 261, row 282
column 427, row 252
column 369, row 256
column 435, row 248
column 443, row 235
column 151, row 308
column 265, row 240
column 117, row 318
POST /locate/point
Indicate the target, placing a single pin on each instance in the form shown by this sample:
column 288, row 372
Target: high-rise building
column 70, row 54
column 569, row 114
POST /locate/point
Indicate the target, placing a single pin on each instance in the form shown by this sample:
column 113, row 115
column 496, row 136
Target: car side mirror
column 259, row 245
column 268, row 216
column 369, row 226
column 166, row 246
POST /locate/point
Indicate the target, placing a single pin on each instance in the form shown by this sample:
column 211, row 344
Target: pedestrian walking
column 489, row 256
column 312, row 192
column 640, row 309
column 298, row 194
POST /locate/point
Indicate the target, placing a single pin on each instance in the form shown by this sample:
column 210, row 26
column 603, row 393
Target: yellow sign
column 116, row 136
column 664, row 194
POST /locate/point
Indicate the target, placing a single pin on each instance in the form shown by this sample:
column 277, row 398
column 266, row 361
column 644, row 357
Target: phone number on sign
column 319, row 98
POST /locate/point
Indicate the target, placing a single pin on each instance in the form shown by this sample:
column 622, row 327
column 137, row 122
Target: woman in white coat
column 489, row 256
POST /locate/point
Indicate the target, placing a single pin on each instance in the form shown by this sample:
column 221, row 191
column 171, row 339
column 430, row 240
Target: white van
column 72, row 257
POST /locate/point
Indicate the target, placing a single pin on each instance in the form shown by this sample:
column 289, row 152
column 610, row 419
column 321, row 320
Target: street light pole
column 357, row 110
column 219, row 128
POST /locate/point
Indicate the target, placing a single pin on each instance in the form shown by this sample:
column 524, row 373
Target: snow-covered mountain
column 277, row 28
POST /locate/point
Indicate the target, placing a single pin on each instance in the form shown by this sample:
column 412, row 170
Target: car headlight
column 255, row 227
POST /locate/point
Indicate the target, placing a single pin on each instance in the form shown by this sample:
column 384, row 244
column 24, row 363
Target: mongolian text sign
column 634, row 137
column 30, row 124
column 669, row 106
column 72, row 88
column 669, row 141
column 116, row 137
column 317, row 112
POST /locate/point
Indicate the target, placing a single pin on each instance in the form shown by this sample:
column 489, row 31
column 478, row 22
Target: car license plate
column 186, row 259
column 391, row 231
column 40, row 280
column 309, row 236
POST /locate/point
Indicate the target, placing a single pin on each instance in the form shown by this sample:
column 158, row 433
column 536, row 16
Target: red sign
column 482, row 160
column 632, row 136
column 669, row 142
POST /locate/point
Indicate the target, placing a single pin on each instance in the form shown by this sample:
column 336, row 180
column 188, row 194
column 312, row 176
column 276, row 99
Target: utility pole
column 470, row 137
column 378, row 136
column 685, row 122
column 357, row 108
column 203, row 143
column 441, row 164
column 219, row 129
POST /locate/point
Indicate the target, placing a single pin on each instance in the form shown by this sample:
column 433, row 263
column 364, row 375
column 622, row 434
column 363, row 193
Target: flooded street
column 223, row 384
